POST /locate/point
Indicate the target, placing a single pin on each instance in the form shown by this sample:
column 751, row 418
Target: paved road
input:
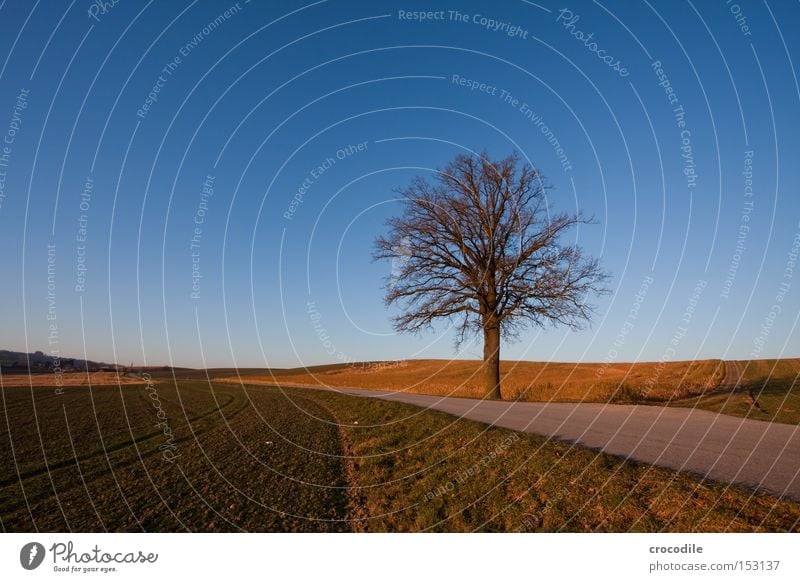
column 759, row 455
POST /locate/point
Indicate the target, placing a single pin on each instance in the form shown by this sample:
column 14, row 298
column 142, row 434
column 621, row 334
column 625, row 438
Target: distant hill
column 21, row 362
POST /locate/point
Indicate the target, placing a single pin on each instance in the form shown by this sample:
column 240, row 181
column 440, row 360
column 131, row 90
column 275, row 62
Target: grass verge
column 421, row 470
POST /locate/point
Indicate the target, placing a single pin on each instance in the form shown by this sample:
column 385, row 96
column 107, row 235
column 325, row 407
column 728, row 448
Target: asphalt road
column 759, row 455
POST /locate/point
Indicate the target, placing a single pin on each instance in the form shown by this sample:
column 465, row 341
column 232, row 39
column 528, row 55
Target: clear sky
column 211, row 175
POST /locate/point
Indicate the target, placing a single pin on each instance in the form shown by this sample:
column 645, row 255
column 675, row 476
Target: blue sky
column 153, row 102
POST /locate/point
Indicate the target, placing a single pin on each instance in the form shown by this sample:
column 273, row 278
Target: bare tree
column 481, row 246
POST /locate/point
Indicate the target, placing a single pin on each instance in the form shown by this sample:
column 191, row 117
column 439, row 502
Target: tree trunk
column 491, row 358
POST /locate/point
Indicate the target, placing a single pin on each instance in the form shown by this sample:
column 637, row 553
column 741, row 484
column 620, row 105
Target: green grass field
column 241, row 463
column 266, row 459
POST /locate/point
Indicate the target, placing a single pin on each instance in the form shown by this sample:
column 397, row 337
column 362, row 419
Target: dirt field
column 534, row 381
column 68, row 379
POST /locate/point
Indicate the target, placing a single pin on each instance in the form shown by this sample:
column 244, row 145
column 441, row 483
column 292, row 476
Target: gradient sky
column 266, row 95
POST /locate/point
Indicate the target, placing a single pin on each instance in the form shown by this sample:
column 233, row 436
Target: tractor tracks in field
column 100, row 454
column 732, row 380
column 733, row 383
